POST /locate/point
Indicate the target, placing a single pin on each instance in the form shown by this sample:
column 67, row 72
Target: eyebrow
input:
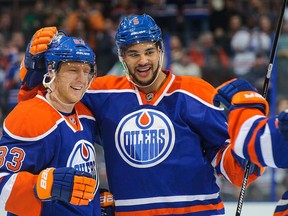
column 148, row 49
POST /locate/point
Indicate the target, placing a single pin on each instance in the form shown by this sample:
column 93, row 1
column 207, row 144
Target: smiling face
column 142, row 61
column 71, row 81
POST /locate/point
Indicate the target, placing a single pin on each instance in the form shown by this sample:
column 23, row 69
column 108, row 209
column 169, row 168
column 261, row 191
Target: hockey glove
column 107, row 203
column 239, row 93
column 32, row 68
column 65, row 184
column 283, row 124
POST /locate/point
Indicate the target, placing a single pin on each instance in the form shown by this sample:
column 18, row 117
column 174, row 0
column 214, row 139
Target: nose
column 143, row 59
column 83, row 76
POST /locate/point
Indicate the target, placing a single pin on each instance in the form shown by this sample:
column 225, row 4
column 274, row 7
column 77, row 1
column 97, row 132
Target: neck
column 156, row 85
column 58, row 104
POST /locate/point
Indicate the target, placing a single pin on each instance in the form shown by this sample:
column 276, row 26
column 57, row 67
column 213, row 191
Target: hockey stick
column 264, row 93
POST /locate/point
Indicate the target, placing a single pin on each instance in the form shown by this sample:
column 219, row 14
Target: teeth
column 77, row 88
column 143, row 70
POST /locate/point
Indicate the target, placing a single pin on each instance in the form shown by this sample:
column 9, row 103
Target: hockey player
column 47, row 157
column 254, row 136
column 162, row 136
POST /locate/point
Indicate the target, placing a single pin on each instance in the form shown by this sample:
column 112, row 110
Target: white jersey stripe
column 266, row 148
column 143, row 201
column 6, row 191
column 244, row 130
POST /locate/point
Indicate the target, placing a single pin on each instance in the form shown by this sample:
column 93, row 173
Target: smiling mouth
column 143, row 72
column 78, row 88
column 143, row 69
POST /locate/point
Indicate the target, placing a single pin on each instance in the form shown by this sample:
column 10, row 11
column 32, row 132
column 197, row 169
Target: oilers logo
column 145, row 138
column 83, row 158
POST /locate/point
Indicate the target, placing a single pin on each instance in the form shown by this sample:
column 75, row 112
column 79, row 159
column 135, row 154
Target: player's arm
column 232, row 167
column 216, row 145
column 32, row 68
column 22, row 193
column 254, row 136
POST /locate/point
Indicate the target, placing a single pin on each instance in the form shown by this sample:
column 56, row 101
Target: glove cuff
column 44, row 184
column 252, row 99
column 106, row 198
column 23, row 70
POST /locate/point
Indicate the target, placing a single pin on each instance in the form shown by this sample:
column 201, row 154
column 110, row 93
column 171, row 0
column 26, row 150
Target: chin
column 144, row 81
column 75, row 99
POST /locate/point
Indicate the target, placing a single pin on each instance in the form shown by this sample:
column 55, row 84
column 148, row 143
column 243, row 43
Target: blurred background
column 212, row 39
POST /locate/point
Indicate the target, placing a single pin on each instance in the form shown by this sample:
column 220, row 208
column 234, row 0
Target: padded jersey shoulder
column 31, row 118
column 35, row 118
column 110, row 82
column 195, row 86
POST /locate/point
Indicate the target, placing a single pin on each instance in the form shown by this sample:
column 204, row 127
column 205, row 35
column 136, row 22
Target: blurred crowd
column 212, row 39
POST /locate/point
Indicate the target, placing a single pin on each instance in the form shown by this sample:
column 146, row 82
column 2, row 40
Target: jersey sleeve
column 281, row 207
column 228, row 166
column 20, row 163
column 21, row 160
column 17, row 194
column 257, row 138
column 217, row 147
column 212, row 127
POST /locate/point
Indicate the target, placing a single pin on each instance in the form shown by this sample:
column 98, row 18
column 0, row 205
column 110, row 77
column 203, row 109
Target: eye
column 133, row 54
column 150, row 52
column 73, row 70
column 86, row 72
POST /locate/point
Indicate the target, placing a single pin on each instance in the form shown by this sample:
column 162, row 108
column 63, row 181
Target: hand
column 107, row 203
column 239, row 93
column 32, row 67
column 228, row 89
column 283, row 124
column 65, row 184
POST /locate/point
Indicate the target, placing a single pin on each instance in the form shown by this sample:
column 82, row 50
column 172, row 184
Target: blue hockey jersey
column 163, row 149
column 36, row 136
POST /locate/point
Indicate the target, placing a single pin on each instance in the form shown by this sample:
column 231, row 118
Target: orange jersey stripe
column 284, row 213
column 251, row 145
column 237, row 117
column 165, row 211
